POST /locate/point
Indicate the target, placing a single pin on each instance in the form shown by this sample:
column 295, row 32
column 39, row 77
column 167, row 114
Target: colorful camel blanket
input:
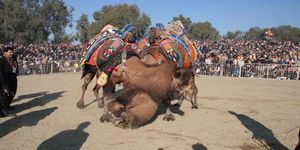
column 105, row 49
column 95, row 45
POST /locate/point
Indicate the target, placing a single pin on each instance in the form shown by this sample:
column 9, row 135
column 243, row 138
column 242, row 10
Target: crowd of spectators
column 39, row 59
column 262, row 51
column 263, row 58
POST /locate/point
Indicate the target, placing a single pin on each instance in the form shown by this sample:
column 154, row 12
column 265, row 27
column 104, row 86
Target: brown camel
column 132, row 109
column 89, row 71
column 157, row 56
column 154, row 80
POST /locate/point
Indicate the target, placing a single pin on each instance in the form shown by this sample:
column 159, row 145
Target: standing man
column 3, row 87
column 12, row 71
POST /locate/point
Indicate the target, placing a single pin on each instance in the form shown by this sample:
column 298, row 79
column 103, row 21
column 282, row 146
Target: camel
column 154, row 83
column 103, row 49
column 89, row 71
column 157, row 56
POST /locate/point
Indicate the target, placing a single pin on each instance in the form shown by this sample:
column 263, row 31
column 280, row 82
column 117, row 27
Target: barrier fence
column 27, row 68
column 269, row 71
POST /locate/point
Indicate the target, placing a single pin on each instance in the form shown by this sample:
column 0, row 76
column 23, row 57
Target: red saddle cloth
column 105, row 50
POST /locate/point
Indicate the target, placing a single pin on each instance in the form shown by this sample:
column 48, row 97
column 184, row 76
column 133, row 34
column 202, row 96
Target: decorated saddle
column 174, row 45
column 108, row 35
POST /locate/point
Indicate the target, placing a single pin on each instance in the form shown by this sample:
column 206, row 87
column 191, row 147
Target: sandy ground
column 234, row 113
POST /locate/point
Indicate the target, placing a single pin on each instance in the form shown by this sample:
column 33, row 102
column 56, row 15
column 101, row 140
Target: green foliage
column 287, row 33
column 14, row 18
column 235, row 35
column 32, row 21
column 82, row 28
column 57, row 17
column 186, row 21
column 281, row 33
column 118, row 16
column 255, row 33
column 203, row 31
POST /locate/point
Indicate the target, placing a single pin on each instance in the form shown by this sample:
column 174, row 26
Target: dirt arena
column 234, row 113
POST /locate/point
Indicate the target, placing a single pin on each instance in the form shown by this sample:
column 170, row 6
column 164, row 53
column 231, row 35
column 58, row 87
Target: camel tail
column 88, row 69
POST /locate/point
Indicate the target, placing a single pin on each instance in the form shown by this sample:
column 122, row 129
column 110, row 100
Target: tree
column 57, row 17
column 82, row 28
column 235, row 35
column 254, row 33
column 14, row 18
column 32, row 21
column 118, row 16
column 287, row 33
column 187, row 22
column 141, row 24
column 36, row 24
column 2, row 38
column 203, row 31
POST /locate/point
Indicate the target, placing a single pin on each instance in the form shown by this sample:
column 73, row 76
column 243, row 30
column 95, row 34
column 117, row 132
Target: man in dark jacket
column 11, row 71
column 3, row 87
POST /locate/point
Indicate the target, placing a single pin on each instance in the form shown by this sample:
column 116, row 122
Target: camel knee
column 84, row 87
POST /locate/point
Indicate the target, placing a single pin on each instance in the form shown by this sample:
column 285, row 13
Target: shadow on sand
column 32, row 95
column 39, row 101
column 261, row 134
column 68, row 139
column 29, row 119
column 162, row 109
column 198, row 146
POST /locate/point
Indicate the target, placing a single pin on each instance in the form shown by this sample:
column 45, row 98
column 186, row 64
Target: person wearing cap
column 11, row 71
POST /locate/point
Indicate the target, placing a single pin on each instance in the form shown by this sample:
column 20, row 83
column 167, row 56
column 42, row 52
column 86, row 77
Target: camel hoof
column 195, row 107
column 80, row 104
column 169, row 117
column 105, row 117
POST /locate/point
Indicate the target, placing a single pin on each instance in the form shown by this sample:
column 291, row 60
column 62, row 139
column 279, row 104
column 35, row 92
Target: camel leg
column 108, row 91
column 86, row 81
column 194, row 97
column 180, row 101
column 169, row 115
column 96, row 93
